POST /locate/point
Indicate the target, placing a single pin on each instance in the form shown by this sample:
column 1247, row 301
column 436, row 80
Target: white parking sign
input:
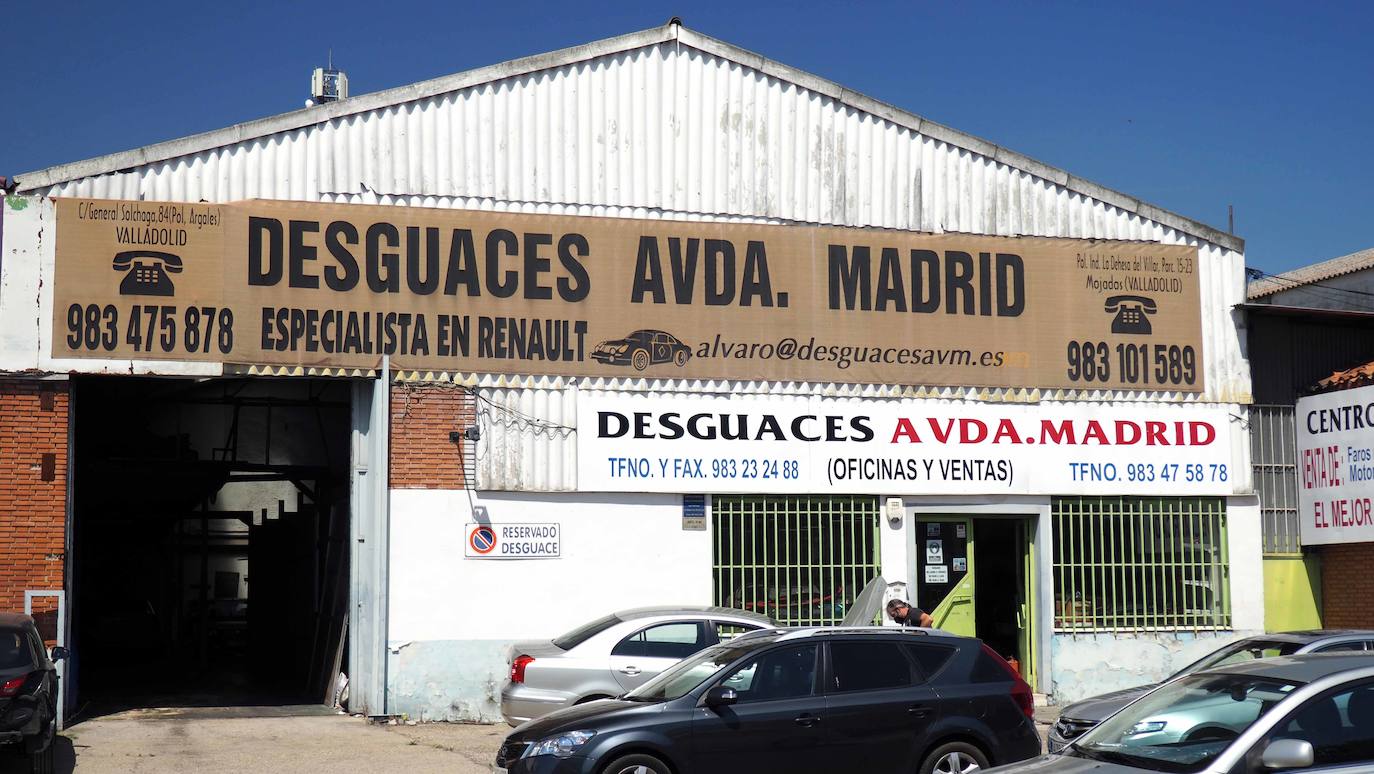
column 514, row 541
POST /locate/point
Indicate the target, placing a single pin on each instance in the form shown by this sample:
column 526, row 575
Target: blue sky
column 1190, row 106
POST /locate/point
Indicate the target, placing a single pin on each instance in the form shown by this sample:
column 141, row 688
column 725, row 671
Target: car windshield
column 679, row 680
column 1240, row 652
column 14, row 650
column 585, row 632
column 1186, row 724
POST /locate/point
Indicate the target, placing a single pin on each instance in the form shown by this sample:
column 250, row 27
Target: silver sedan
column 1308, row 712
column 612, row 655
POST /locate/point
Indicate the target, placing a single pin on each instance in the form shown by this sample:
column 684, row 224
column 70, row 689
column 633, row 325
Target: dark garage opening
column 209, row 542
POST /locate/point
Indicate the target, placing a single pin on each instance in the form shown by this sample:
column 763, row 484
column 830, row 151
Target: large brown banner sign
column 310, row 284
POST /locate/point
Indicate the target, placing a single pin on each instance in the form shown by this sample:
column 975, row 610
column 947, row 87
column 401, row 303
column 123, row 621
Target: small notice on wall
column 935, row 552
column 960, row 564
column 937, row 573
column 694, row 512
column 514, row 541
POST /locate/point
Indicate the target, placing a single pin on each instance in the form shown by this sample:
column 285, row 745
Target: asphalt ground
column 261, row 740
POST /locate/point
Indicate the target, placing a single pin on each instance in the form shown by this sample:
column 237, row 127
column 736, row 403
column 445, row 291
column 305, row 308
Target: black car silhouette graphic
column 642, row 349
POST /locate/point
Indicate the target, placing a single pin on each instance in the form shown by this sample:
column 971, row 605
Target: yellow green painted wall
column 1292, row 593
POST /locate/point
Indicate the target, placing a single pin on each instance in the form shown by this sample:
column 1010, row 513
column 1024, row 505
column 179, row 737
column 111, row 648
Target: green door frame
column 1027, row 619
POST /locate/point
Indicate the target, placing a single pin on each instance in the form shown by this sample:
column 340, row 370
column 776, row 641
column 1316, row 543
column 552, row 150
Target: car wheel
column 680, row 359
column 636, row 764
column 640, row 359
column 954, row 758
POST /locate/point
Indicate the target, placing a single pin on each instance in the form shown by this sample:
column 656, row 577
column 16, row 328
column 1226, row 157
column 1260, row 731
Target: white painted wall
column 619, row 551
column 452, row 618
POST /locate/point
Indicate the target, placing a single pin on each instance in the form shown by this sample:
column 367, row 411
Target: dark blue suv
column 868, row 699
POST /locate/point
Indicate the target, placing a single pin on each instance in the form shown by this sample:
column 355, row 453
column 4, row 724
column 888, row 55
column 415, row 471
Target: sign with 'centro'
column 514, row 541
column 1335, row 446
column 330, row 285
column 820, row 445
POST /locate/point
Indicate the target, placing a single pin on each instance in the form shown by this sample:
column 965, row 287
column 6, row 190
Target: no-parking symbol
column 482, row 539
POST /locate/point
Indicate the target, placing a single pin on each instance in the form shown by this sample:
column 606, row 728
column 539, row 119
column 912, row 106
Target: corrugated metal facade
column 671, row 130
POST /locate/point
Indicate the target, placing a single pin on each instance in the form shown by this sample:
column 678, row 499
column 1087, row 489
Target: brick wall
column 33, row 491
column 1346, row 598
column 422, row 416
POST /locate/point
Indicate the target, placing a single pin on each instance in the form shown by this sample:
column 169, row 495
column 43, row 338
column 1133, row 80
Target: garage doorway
column 210, row 551
column 977, row 578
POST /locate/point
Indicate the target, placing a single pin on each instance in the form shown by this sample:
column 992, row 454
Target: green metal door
column 944, row 573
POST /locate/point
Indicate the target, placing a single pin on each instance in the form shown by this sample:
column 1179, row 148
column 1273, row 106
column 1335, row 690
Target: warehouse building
column 1309, row 331
column 380, row 386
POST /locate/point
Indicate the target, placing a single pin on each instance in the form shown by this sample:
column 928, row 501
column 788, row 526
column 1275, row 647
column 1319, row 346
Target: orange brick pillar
column 1347, row 601
column 422, row 454
column 34, row 419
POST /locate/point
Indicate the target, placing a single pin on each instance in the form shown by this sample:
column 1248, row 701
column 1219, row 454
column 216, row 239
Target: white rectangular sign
column 514, row 541
column 645, row 443
column 1336, row 467
column 935, row 551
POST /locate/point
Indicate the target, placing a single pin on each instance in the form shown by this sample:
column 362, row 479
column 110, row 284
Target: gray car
column 1077, row 718
column 612, row 655
column 1313, row 713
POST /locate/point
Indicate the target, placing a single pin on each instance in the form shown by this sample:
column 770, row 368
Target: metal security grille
column 799, row 560
column 1275, row 459
column 1140, row 564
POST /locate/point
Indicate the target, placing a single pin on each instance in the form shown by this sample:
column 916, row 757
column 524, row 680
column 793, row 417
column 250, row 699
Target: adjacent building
column 1310, row 331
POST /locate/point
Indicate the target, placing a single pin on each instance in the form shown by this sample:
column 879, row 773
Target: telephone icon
column 147, row 272
column 1131, row 314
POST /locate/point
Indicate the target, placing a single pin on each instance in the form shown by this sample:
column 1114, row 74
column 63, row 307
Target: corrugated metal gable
column 688, row 129
column 666, row 127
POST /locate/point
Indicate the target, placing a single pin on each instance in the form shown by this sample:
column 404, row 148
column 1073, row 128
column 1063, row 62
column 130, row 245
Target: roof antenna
column 327, row 84
column 676, row 24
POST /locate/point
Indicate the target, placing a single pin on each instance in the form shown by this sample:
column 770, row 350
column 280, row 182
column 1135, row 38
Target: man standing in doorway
column 906, row 615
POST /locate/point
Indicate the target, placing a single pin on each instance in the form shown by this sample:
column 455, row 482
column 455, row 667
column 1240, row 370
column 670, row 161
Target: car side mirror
column 59, row 653
column 721, row 696
column 1287, row 754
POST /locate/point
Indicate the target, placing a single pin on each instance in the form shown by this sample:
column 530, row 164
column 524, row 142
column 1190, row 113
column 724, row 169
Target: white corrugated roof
column 1346, row 264
column 404, row 94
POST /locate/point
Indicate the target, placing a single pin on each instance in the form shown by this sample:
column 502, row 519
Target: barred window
column 1273, row 452
column 798, row 560
column 1140, row 564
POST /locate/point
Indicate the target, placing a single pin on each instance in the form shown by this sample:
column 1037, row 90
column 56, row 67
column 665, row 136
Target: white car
column 612, row 656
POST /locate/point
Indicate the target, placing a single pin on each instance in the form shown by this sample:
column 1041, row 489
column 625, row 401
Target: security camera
column 896, row 511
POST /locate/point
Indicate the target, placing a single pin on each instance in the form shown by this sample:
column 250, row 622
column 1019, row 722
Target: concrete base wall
column 448, row 680
column 1090, row 664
